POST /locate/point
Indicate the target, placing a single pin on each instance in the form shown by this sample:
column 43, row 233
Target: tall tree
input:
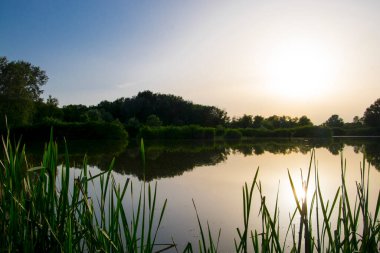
column 258, row 121
column 304, row 121
column 172, row 110
column 20, row 88
column 372, row 114
column 47, row 111
column 244, row 121
column 75, row 113
column 334, row 121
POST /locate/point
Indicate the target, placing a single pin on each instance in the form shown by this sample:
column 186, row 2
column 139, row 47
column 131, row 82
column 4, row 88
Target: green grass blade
column 294, row 193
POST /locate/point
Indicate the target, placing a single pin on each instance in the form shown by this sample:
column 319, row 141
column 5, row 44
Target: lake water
column 213, row 173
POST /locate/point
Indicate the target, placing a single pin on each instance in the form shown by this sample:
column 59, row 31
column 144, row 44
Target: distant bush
column 233, row 134
column 313, row 132
column 283, row 132
column 73, row 131
column 248, row 132
column 364, row 131
column 197, row 132
column 51, row 121
column 219, row 131
column 177, row 132
column 256, row 132
column 338, row 131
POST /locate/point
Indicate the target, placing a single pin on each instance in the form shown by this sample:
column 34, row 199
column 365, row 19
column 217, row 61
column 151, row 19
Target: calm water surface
column 213, row 173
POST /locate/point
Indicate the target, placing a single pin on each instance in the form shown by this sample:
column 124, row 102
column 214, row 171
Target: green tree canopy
column 258, row 121
column 75, row 113
column 372, row 114
column 304, row 121
column 47, row 111
column 244, row 122
column 20, row 87
column 334, row 121
column 171, row 110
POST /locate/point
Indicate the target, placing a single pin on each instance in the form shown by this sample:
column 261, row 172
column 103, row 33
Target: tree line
column 20, row 100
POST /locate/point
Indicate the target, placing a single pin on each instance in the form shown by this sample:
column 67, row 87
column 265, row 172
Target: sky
column 288, row 57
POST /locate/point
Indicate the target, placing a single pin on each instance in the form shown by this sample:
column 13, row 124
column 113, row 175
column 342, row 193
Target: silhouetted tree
column 52, row 101
column 47, row 111
column 275, row 121
column 356, row 122
column 243, row 122
column 114, row 108
column 172, row 110
column 304, row 121
column 334, row 121
column 75, row 113
column 93, row 115
column 257, row 121
column 372, row 114
column 20, row 88
column 106, row 116
column 272, row 122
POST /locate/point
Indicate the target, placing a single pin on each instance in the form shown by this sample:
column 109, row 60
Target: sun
column 299, row 69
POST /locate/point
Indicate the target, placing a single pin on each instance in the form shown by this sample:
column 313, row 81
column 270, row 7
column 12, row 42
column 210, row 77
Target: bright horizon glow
column 299, row 69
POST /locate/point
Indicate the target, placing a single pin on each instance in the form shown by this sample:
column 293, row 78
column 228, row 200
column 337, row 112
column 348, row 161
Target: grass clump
column 355, row 229
column 43, row 210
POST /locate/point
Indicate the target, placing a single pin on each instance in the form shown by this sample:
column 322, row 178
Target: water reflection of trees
column 168, row 163
column 370, row 147
column 277, row 146
column 169, row 159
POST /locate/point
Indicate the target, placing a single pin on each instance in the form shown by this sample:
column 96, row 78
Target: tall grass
column 42, row 214
column 354, row 229
column 42, row 209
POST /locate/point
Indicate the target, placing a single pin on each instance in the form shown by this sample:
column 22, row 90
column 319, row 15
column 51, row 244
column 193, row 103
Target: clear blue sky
column 257, row 57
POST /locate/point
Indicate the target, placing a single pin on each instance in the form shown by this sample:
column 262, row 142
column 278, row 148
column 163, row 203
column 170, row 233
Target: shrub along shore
column 72, row 131
column 117, row 131
column 114, row 131
column 196, row 132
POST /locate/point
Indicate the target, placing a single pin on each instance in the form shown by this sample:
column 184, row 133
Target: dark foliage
column 20, row 87
column 72, row 131
column 20, row 91
column 233, row 134
column 372, row 114
column 170, row 109
column 177, row 132
column 334, row 121
column 312, row 132
column 272, row 122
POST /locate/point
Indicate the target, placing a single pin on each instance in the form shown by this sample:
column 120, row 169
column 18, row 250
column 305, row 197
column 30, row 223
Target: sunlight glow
column 300, row 191
column 299, row 69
